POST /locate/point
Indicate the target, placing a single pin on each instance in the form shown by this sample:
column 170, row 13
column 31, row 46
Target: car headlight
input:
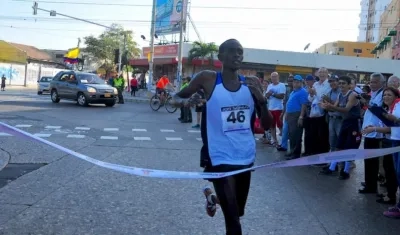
column 91, row 90
column 115, row 91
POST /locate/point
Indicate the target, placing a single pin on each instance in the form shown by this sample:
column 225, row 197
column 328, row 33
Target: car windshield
column 89, row 79
column 46, row 79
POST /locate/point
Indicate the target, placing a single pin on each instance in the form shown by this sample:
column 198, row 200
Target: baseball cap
column 297, row 78
column 310, row 78
column 333, row 77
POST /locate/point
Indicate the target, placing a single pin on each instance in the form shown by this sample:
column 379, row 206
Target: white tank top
column 228, row 133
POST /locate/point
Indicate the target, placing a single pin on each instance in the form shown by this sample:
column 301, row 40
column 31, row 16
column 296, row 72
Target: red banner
column 167, row 50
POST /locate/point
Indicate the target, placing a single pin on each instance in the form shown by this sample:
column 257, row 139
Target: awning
column 392, row 32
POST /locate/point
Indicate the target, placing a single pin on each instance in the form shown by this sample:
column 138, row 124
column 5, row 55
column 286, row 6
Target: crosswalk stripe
column 111, row 129
column 22, row 126
column 109, row 137
column 52, row 127
column 173, row 138
column 194, row 131
column 4, row 134
column 82, row 128
column 76, row 136
column 166, row 130
column 141, row 138
column 42, row 135
column 139, row 130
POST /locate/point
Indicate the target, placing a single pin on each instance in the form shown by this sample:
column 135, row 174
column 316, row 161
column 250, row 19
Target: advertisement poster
column 168, row 16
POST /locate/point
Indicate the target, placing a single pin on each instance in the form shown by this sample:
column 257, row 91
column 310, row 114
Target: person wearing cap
column 308, row 141
column 334, row 117
column 295, row 111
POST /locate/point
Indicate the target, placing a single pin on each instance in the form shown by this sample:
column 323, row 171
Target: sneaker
column 326, row 171
column 211, row 201
column 196, row 126
column 344, row 175
column 392, row 212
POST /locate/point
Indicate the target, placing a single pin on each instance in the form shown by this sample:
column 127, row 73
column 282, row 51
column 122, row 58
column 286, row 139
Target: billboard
column 162, row 51
column 168, row 16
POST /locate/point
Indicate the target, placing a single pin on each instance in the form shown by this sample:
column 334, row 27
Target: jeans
column 334, row 129
column 285, row 135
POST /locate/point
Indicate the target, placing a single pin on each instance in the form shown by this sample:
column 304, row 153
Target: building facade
column 262, row 63
column 346, row 48
column 396, row 46
column 387, row 31
column 362, row 27
column 375, row 10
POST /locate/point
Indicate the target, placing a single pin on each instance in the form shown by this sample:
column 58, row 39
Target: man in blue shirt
column 295, row 111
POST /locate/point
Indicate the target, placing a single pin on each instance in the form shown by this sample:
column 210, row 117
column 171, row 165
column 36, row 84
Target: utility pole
column 121, row 51
column 151, row 56
column 180, row 48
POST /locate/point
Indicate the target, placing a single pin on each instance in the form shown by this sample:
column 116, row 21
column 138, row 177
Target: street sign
column 35, row 7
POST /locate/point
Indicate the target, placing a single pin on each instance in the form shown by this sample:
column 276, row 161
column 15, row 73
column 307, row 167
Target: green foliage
column 102, row 47
column 202, row 50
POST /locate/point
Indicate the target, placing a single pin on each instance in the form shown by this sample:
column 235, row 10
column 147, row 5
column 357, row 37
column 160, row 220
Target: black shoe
column 344, row 175
column 366, row 190
column 281, row 149
column 386, row 201
column 326, row 171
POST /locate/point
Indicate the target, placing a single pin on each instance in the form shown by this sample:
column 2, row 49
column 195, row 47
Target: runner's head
column 230, row 53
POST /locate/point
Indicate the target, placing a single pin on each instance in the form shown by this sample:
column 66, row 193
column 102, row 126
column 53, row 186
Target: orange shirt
column 162, row 83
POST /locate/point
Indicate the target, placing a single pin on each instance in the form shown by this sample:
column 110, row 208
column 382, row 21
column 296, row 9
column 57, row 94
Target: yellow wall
column 9, row 53
column 346, row 48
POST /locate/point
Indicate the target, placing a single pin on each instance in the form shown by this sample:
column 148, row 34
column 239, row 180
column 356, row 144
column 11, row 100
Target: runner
column 227, row 131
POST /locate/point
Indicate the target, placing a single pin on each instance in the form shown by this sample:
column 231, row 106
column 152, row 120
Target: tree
column 103, row 47
column 203, row 51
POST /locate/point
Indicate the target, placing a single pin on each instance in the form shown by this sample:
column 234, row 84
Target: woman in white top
column 391, row 100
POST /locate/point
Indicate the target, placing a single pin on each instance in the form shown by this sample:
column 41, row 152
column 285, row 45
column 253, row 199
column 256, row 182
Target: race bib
column 236, row 119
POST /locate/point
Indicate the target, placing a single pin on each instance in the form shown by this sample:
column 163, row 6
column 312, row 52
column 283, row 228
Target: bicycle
column 156, row 104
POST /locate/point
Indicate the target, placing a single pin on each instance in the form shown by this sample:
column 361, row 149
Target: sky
column 286, row 25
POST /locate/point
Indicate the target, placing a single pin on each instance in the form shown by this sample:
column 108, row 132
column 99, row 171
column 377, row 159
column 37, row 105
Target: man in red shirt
column 134, row 85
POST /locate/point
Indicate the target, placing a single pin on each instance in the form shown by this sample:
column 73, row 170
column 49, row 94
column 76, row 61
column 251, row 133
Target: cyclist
column 162, row 83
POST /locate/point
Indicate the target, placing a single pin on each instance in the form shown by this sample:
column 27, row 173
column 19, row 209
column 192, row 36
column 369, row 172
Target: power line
column 198, row 7
column 146, row 22
column 218, row 27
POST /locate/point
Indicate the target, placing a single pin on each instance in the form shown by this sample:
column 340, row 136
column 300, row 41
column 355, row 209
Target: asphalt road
column 70, row 196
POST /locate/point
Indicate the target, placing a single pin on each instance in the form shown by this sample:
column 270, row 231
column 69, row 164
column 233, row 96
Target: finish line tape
column 345, row 155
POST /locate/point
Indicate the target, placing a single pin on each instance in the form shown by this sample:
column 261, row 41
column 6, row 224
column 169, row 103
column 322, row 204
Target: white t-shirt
column 275, row 103
column 395, row 131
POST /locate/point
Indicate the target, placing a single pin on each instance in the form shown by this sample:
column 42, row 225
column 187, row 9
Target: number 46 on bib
column 236, row 119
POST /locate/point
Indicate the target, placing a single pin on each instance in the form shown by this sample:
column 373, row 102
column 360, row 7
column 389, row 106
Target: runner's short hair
column 223, row 46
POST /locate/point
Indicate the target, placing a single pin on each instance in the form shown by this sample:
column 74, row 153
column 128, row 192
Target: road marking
column 173, row 138
column 109, row 137
column 52, row 127
column 76, row 136
column 194, row 131
column 141, row 138
column 111, row 129
column 82, row 128
column 42, row 135
column 199, row 139
column 165, row 130
column 139, row 130
column 22, row 126
column 4, row 134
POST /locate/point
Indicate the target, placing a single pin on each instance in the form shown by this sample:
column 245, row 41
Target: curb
column 137, row 100
column 4, row 159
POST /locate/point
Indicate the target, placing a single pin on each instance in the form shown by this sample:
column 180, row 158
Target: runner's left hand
column 254, row 84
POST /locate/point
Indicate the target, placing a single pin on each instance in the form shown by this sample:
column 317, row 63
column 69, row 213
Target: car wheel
column 82, row 101
column 39, row 92
column 110, row 103
column 54, row 96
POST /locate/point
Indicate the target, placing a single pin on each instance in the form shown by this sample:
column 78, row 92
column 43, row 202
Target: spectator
column 134, row 86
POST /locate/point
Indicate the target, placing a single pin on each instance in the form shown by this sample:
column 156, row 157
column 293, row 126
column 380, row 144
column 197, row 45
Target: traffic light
column 116, row 56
